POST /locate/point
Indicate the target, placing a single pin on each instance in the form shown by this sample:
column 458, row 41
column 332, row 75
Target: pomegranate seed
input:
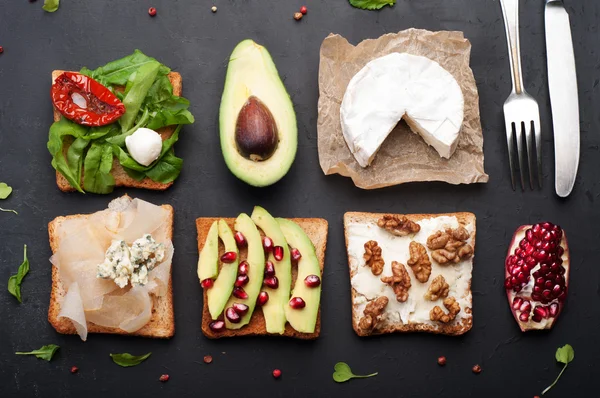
column 74, row 369
column 560, row 251
column 442, row 361
column 1, row 49
column 271, row 282
column 269, row 269
column 529, row 234
column 563, row 296
column 312, row 281
column 521, row 278
column 536, row 229
column 507, row 284
column 296, row 255
column 278, row 253
column 556, row 291
column 297, row 303
column 524, row 316
column 536, row 296
column 267, row 244
column 553, row 309
column 208, row 359
column 476, row 369
column 238, row 292
column 544, row 269
column 525, row 307
column 277, row 373
column 540, row 311
column 263, row 297
column 243, row 268
column 303, row 10
column 240, row 239
column 241, row 309
column 207, row 283
column 540, row 255
column 229, row 257
column 547, row 295
column 517, row 302
column 152, row 12
column 523, row 244
column 548, row 285
column 163, row 378
column 232, row 315
column 242, row 280
column 217, row 326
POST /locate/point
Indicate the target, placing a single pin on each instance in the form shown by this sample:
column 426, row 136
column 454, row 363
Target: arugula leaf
column 343, row 373
column 565, row 355
column 50, row 5
column 135, row 92
column 117, row 72
column 5, row 190
column 58, row 131
column 171, row 112
column 14, row 282
column 97, row 167
column 125, row 360
column 372, row 4
column 45, row 352
column 167, row 169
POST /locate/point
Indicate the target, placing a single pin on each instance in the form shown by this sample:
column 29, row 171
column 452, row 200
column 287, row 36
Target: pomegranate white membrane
column 537, row 275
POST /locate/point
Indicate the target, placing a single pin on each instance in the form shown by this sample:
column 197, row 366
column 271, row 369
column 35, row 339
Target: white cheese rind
column 396, row 86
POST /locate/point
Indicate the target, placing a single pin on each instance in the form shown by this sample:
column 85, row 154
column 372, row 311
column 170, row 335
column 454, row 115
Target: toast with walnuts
column 273, row 284
column 410, row 272
column 81, row 302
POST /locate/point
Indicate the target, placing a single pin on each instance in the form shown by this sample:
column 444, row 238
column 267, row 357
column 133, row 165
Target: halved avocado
column 303, row 320
column 257, row 122
column 223, row 286
column 208, row 266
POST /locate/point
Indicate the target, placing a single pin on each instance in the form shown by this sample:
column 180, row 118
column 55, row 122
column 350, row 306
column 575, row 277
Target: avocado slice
column 256, row 260
column 253, row 79
column 208, row 267
column 223, row 286
column 303, row 320
column 274, row 309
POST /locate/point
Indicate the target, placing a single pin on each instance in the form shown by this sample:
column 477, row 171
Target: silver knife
column 562, row 82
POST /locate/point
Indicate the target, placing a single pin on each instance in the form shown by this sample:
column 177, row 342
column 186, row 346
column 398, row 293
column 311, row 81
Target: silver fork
column 521, row 110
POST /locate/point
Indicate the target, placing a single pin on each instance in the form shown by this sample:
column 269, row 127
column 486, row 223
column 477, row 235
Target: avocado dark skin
column 256, row 133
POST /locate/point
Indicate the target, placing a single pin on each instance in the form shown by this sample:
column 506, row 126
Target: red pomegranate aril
column 269, row 269
column 243, row 268
column 217, row 326
column 262, row 299
column 312, row 281
column 163, row 378
column 529, row 235
column 524, row 316
column 553, row 309
column 152, row 11
column 297, row 303
column 562, row 296
column 547, row 295
column 229, row 257
column 540, row 255
column 267, row 244
column 240, row 239
column 232, row 315
column 271, row 282
column 530, row 261
column 238, row 292
column 525, row 307
column 544, row 269
column 296, row 255
column 278, row 253
column 277, row 373
column 207, row 283
column 560, row 251
column 540, row 311
column 521, row 277
column 548, row 284
column 522, row 245
column 517, row 302
column 241, row 309
column 242, row 280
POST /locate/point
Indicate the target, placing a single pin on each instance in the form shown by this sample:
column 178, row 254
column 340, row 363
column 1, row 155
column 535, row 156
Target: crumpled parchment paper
column 404, row 156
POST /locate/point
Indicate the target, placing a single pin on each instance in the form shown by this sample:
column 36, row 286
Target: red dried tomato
column 85, row 101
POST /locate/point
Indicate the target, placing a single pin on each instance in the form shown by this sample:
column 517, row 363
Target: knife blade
column 564, row 100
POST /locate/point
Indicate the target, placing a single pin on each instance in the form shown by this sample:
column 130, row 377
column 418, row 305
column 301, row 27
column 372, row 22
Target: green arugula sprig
column 372, row 4
column 51, row 5
column 46, row 352
column 126, row 360
column 14, row 282
column 5, row 191
column 564, row 355
column 343, row 373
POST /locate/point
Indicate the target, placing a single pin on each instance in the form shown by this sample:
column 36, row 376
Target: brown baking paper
column 404, row 156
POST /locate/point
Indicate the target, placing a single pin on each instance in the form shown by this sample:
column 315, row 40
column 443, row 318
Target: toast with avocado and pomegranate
column 69, row 243
column 410, row 272
column 234, row 291
column 122, row 179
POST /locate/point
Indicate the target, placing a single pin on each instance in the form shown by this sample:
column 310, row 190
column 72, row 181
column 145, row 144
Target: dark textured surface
column 188, row 37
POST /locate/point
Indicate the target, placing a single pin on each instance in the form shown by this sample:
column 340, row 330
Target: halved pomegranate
column 537, row 275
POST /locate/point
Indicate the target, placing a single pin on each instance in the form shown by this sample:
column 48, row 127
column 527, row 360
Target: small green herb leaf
column 564, row 355
column 372, row 4
column 342, row 373
column 14, row 282
column 125, row 360
column 51, row 5
column 9, row 211
column 5, row 190
column 46, row 352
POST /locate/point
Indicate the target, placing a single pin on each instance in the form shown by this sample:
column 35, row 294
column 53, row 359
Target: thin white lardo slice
column 398, row 86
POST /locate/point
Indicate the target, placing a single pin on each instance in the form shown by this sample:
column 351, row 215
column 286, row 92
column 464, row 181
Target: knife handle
column 510, row 11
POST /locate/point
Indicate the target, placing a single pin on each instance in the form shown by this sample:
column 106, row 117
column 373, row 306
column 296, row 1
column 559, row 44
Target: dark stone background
column 186, row 36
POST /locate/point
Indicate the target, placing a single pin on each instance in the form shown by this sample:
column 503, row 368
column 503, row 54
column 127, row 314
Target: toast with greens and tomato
column 261, row 275
column 117, row 125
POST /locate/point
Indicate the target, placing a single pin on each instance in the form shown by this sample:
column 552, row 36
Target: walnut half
column 439, row 288
column 399, row 282
column 373, row 257
column 398, row 225
column 450, row 246
column 419, row 261
column 437, row 314
column 372, row 313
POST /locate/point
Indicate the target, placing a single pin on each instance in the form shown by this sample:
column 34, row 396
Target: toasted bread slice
column 454, row 328
column 316, row 229
column 162, row 322
column 122, row 179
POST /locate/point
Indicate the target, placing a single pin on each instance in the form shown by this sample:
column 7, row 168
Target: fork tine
column 529, row 139
column 519, row 133
column 538, row 146
column 511, row 151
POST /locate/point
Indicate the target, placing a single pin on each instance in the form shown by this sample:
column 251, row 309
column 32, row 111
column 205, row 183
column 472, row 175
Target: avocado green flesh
column 274, row 309
column 208, row 266
column 251, row 72
column 223, row 286
column 303, row 320
column 256, row 261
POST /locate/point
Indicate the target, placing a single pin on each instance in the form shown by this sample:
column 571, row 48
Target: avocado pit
column 256, row 134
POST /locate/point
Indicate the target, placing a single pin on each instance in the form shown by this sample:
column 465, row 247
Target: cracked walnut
column 398, row 225
column 372, row 314
column 373, row 257
column 399, row 282
column 419, row 261
column 439, row 288
column 450, row 246
column 437, row 314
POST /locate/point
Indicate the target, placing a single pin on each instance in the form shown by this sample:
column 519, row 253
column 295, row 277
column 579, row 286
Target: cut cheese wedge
column 401, row 86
